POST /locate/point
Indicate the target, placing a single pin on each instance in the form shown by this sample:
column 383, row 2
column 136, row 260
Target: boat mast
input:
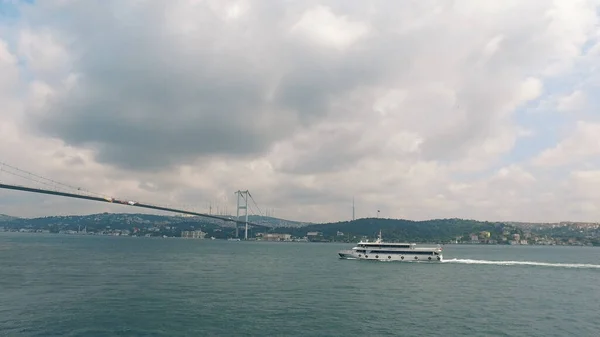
column 353, row 209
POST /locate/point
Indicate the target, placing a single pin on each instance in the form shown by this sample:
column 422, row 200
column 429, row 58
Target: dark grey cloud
column 144, row 102
column 303, row 195
column 148, row 98
column 152, row 95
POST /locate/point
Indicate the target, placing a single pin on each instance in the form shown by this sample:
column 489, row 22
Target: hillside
column 127, row 221
column 4, row 218
column 276, row 222
column 438, row 230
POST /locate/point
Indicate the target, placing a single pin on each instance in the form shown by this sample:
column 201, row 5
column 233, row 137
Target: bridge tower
column 242, row 204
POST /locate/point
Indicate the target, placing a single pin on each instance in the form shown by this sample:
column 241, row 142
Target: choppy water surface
column 56, row 285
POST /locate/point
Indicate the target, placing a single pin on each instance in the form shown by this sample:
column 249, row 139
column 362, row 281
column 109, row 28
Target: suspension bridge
column 55, row 188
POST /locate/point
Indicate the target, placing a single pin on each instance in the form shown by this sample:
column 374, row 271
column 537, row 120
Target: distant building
column 314, row 236
column 193, row 234
column 277, row 237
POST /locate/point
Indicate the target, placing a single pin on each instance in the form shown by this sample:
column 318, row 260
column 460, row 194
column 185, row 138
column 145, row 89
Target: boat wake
column 524, row 263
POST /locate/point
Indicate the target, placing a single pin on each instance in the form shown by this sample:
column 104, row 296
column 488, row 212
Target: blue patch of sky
column 552, row 126
column 593, row 105
column 591, row 42
column 560, row 173
column 10, row 10
column 548, row 125
column 587, row 46
column 564, row 84
column 10, row 15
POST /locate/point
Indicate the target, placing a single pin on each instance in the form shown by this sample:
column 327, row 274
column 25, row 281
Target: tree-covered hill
column 438, row 230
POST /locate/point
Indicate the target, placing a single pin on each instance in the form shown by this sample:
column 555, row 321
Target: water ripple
column 94, row 286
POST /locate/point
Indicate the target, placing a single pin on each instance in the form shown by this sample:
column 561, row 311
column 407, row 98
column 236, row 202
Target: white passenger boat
column 391, row 251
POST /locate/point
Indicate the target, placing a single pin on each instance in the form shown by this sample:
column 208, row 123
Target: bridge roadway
column 123, row 202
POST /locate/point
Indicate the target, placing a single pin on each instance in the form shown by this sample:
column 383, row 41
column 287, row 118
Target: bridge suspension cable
column 5, row 168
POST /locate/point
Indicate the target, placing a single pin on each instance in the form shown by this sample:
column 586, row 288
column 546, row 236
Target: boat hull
column 405, row 257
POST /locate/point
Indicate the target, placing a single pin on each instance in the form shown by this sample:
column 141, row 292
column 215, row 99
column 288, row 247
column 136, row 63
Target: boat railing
column 430, row 248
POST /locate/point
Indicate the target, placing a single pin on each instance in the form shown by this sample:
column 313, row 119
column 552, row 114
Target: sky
column 420, row 109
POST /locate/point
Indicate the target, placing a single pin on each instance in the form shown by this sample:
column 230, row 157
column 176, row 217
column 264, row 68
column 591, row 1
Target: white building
column 193, row 234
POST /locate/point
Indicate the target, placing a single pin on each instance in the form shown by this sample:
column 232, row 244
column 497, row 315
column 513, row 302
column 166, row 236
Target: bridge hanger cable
column 251, row 197
column 55, row 185
column 251, row 209
column 28, row 178
column 44, row 180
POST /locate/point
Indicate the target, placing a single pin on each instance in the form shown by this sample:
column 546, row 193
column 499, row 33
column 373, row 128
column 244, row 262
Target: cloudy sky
column 421, row 109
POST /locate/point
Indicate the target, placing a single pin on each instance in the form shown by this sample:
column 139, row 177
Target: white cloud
column 492, row 46
column 580, row 192
column 581, row 144
column 412, row 108
column 42, row 52
column 322, row 26
column 531, row 89
column 8, row 70
column 575, row 101
column 570, row 26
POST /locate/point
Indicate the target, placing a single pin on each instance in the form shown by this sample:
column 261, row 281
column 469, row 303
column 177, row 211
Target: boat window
column 385, row 246
column 411, row 252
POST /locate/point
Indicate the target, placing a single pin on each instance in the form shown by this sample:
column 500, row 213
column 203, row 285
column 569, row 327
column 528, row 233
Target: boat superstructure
column 392, row 251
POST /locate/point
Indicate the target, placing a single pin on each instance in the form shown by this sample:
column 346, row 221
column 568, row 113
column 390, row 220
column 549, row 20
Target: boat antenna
column 353, row 209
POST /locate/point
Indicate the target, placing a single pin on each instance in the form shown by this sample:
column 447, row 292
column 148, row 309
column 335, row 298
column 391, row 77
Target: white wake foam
column 523, row 263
